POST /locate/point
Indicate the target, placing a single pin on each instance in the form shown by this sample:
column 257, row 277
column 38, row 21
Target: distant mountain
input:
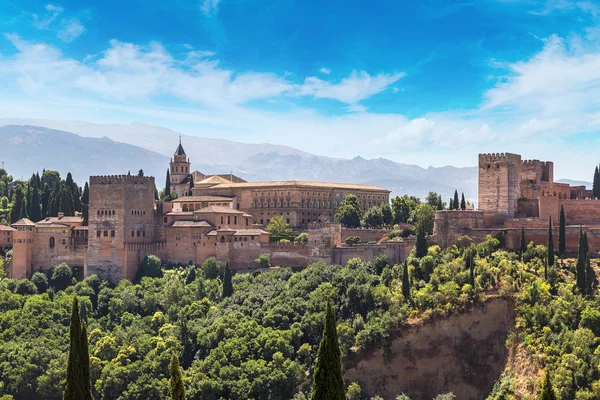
column 29, row 149
column 155, row 145
column 588, row 185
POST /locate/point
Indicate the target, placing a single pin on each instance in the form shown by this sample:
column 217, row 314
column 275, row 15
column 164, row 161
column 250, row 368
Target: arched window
column 51, row 242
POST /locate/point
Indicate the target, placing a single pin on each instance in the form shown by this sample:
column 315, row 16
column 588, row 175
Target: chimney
column 61, row 214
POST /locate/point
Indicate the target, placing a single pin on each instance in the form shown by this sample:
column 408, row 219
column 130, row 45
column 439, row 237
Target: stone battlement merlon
column 116, row 179
column 496, row 157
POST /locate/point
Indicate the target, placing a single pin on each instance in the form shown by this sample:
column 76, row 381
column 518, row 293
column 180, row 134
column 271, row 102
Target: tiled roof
column 192, row 199
column 61, row 220
column 191, row 224
column 6, row 228
column 218, row 209
column 50, row 225
column 24, row 221
column 184, row 213
column 238, row 232
column 308, row 184
column 80, row 228
column 180, row 151
column 214, row 180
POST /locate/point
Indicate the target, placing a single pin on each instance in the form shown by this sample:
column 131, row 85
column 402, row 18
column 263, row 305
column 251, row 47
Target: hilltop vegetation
column 261, row 342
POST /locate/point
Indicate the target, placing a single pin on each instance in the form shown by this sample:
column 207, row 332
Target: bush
column 352, row 240
column 40, row 280
column 263, row 261
column 25, row 286
column 62, row 276
column 301, row 238
column 151, row 266
column 211, row 268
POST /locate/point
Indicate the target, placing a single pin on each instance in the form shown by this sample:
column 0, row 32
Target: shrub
column 40, row 280
column 150, row 267
column 352, row 240
column 301, row 238
column 211, row 268
column 25, row 286
column 263, row 261
column 61, row 276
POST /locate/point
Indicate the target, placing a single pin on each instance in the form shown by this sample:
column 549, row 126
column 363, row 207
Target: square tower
column 121, row 218
column 499, row 179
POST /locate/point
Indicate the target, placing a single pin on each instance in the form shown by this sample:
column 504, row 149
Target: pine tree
column 550, row 257
column 227, row 283
column 168, row 184
column 562, row 233
column 405, row 282
column 176, row 388
column 455, row 202
column 421, row 246
column 523, row 243
column 547, row 392
column 78, row 368
column 463, row 203
column 580, row 266
column 328, row 381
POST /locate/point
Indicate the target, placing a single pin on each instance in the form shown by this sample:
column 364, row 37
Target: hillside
column 270, row 162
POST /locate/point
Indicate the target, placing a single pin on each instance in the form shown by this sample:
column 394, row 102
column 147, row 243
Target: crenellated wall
column 499, row 178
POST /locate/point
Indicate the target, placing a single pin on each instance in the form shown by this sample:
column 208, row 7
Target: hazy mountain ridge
column 112, row 149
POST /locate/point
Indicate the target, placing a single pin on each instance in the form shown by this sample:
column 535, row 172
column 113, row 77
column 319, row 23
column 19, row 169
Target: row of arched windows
column 106, row 213
column 176, row 169
column 138, row 212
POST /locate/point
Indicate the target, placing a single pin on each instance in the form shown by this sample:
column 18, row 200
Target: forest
column 255, row 335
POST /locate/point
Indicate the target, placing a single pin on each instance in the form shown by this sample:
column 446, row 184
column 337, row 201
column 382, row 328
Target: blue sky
column 424, row 82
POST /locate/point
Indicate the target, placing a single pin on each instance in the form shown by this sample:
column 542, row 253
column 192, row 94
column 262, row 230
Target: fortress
column 219, row 216
column 517, row 194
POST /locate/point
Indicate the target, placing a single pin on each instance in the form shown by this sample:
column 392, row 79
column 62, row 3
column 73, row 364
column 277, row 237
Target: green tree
column 403, row 208
column 62, row 276
column 85, row 203
column 522, row 243
column 590, row 277
column 550, row 247
column 79, row 386
column 433, row 199
column 388, row 216
column 301, row 238
column 421, row 246
column 349, row 212
column 580, row 265
column 227, row 282
column 263, row 261
column 562, row 233
column 279, row 226
column 176, row 388
column 328, row 381
column 423, row 218
column 547, row 392
column 373, row 218
column 211, row 268
column 405, row 281
column 140, row 173
column 66, row 202
column 35, row 209
column 455, row 202
column 150, row 266
column 40, row 280
column 463, row 203
column 168, row 184
column 596, row 184
column 17, row 205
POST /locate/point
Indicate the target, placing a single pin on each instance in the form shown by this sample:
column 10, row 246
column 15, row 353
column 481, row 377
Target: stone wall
column 365, row 235
column 580, row 211
column 499, row 182
column 450, row 225
column 397, row 252
column 528, row 208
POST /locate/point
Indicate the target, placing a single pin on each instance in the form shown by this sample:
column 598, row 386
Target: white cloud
column 550, row 6
column 358, row 86
column 209, row 6
column 70, row 29
column 44, row 22
column 325, row 71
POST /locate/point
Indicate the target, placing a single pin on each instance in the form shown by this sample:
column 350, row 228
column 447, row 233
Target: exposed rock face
column 463, row 354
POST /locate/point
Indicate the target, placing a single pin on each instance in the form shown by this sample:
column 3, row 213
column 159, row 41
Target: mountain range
column 84, row 149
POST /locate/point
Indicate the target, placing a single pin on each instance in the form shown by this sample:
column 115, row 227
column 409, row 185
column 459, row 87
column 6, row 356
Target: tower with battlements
column 499, row 180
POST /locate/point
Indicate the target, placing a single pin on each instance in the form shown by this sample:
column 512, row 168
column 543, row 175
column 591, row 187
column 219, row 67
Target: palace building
column 220, row 216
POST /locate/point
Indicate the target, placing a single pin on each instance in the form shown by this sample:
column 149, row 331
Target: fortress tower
column 121, row 219
column 499, row 180
column 180, row 172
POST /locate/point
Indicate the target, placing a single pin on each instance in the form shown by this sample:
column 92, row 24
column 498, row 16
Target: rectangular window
column 97, row 233
column 228, row 220
column 105, row 233
column 112, row 233
column 138, row 233
column 132, row 234
column 235, row 220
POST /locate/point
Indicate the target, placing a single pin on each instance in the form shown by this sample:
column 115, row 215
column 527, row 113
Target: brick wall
column 499, row 182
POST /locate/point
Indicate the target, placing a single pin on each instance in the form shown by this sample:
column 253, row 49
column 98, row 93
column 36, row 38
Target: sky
column 429, row 82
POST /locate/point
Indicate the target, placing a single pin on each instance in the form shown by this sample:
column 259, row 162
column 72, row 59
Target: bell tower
column 180, row 171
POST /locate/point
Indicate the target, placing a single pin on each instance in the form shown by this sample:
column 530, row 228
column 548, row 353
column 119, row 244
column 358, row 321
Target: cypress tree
column 176, row 387
column 523, row 243
column 53, row 204
column 328, row 381
column 191, row 184
column 421, row 246
column 17, row 204
column 35, row 211
column 455, row 202
column 463, row 203
column 405, row 282
column 66, row 202
column 191, row 276
column 550, row 258
column 590, row 277
column 562, row 233
column 85, row 203
column 471, row 272
column 79, row 385
column 580, row 266
column 227, row 283
column 28, row 197
column 45, row 200
column 547, row 392
column 168, row 184
column 450, row 204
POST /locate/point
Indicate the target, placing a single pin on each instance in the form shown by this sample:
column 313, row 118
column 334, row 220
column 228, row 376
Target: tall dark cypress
column 35, row 211
column 421, row 246
column 547, row 392
column 472, row 272
column 168, row 184
column 85, row 203
column 550, row 257
column 523, row 243
column 580, row 266
column 463, row 203
column 45, row 200
column 455, row 202
column 29, row 194
column 17, row 204
column 79, row 385
column 562, row 233
column 328, row 381
column 66, row 202
column 405, row 282
column 191, row 184
column 450, row 205
column 176, row 388
column 227, row 282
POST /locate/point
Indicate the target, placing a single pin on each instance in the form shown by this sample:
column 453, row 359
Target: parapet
column 497, row 157
column 120, row 179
